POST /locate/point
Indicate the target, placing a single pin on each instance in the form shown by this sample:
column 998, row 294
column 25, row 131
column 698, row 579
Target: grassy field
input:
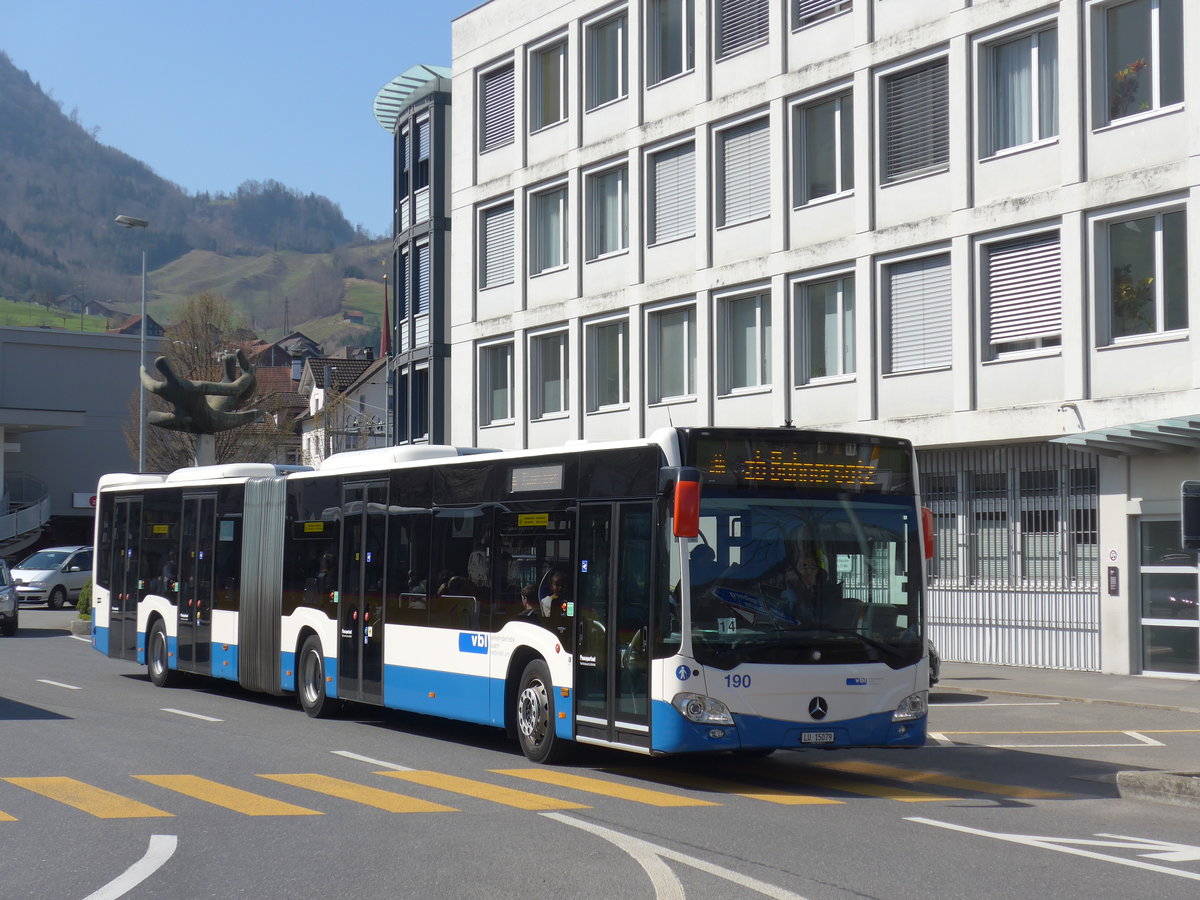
column 31, row 315
column 257, row 286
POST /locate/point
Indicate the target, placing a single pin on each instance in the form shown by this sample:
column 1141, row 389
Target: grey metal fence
column 1015, row 576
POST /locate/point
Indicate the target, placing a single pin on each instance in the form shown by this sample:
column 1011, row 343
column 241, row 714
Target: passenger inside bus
column 530, row 607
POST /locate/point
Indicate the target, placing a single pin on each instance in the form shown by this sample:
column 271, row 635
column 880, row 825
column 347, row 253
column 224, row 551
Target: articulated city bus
column 706, row 589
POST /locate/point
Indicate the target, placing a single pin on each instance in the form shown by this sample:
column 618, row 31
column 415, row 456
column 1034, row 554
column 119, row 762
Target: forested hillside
column 60, row 189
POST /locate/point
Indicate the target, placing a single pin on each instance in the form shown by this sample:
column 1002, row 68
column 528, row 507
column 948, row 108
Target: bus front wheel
column 534, row 714
column 310, row 679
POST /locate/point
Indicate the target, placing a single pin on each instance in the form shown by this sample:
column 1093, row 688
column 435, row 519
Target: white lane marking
column 941, row 739
column 1173, row 851
column 1142, row 740
column 190, row 715
column 79, row 637
column 69, row 687
column 374, row 762
column 650, row 856
column 990, row 705
column 162, row 848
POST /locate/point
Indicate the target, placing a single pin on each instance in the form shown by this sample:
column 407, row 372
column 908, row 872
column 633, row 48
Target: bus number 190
column 737, row 681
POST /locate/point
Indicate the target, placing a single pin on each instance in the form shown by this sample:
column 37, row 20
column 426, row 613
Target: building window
column 823, row 148
column 824, row 328
column 1023, row 77
column 420, row 404
column 1147, row 284
column 548, row 374
column 607, row 61
column 496, row 256
column 497, row 108
column 670, row 25
column 1143, row 56
column 918, row 314
column 744, row 161
column 421, row 277
column 672, row 190
column 746, row 329
column 916, row 121
column 403, row 289
column 421, row 169
column 741, row 24
column 673, row 353
column 608, row 212
column 547, row 85
column 547, row 230
column 495, row 384
column 1023, row 285
column 608, row 364
column 805, row 12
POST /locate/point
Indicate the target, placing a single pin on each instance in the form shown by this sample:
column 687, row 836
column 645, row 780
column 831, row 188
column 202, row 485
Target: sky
column 214, row 93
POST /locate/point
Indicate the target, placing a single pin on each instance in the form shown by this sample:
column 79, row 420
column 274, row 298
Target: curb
column 82, row 627
column 1137, row 704
column 1177, row 788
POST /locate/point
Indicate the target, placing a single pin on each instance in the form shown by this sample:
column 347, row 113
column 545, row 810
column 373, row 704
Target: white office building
column 965, row 222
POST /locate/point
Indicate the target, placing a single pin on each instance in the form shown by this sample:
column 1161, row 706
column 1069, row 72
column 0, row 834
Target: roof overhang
column 395, row 96
column 1159, row 436
column 15, row 420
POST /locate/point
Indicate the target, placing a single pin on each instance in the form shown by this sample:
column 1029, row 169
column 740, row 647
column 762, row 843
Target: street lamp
column 134, row 222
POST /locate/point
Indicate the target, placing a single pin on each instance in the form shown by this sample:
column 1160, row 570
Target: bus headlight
column 914, row 706
column 701, row 709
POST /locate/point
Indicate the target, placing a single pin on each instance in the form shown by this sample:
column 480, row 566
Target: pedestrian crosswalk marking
column 89, row 799
column 232, row 798
column 913, row 776
column 388, row 801
column 483, row 790
column 707, row 783
column 603, row 787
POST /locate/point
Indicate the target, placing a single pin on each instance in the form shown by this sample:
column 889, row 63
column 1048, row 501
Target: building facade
column 414, row 108
column 965, row 222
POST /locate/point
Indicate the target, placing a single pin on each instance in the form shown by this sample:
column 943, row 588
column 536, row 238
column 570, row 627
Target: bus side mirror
column 1189, row 503
column 927, row 532
column 687, row 503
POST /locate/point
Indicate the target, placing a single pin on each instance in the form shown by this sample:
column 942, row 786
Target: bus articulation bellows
column 705, row 589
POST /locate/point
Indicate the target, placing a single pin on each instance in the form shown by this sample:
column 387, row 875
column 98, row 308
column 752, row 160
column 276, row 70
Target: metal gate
column 1015, row 577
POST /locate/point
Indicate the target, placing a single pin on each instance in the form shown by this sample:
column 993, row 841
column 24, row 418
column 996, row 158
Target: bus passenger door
column 195, row 594
column 360, row 604
column 612, row 676
column 123, row 598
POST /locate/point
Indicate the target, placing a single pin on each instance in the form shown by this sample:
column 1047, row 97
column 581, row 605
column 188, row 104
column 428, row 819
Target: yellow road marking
column 232, row 798
column 5, row 817
column 605, row 788
column 483, row 791
column 912, row 776
column 866, row 788
column 98, row 802
column 388, row 801
column 720, row 786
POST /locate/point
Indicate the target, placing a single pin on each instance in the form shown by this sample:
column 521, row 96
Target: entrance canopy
column 1140, row 439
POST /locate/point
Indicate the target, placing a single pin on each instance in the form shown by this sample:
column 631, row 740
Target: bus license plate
column 817, row 737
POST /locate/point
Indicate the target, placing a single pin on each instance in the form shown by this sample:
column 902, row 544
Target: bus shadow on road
column 14, row 711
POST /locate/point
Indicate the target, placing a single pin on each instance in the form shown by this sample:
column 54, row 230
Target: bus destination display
column 856, row 467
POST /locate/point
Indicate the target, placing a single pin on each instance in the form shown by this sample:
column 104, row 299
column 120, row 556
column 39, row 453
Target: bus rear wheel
column 534, row 715
column 158, row 657
column 310, row 679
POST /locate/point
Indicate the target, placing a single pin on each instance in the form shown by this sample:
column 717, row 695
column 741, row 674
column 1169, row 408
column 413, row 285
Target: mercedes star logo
column 817, row 707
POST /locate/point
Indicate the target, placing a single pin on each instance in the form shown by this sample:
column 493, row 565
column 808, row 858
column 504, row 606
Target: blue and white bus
column 705, row 589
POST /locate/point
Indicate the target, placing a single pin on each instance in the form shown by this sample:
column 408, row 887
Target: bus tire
column 310, row 680
column 534, row 716
column 158, row 657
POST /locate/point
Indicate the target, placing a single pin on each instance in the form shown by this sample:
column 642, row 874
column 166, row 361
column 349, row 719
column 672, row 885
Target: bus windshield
column 825, row 580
